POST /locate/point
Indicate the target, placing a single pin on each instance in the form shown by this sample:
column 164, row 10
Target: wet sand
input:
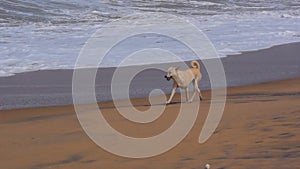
column 260, row 128
column 54, row 87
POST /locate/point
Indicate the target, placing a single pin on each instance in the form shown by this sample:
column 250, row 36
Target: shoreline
column 109, row 103
column 54, row 87
column 229, row 55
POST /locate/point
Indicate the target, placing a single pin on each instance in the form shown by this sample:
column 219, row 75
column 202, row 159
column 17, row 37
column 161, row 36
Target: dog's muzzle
column 168, row 78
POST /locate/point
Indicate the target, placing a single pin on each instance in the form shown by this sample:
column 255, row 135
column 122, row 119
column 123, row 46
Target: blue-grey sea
column 48, row 34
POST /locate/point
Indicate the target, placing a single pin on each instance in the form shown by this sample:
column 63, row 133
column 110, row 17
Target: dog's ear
column 177, row 68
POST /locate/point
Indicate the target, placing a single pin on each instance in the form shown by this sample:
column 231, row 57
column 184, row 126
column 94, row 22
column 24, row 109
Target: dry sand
column 260, row 129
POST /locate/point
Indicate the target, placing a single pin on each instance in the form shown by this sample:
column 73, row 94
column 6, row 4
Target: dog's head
column 172, row 71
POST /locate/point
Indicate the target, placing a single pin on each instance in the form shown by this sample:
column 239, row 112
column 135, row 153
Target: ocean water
column 49, row 34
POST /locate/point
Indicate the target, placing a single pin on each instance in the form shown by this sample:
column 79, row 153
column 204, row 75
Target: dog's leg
column 172, row 93
column 187, row 94
column 201, row 98
column 197, row 87
column 195, row 90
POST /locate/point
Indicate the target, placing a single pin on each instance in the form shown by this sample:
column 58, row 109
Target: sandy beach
column 259, row 129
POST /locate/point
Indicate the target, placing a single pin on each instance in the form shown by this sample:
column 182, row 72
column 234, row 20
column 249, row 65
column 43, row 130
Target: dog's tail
column 195, row 64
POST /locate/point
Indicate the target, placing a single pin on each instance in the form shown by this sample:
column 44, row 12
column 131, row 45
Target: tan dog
column 182, row 79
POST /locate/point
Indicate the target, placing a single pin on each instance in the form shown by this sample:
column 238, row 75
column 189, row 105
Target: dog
column 182, row 79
